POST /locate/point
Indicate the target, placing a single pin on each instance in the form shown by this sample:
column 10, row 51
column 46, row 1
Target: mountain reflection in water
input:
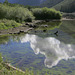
column 52, row 48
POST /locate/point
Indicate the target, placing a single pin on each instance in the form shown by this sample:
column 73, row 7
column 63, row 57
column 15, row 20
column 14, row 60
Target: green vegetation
column 10, row 14
column 6, row 24
column 50, row 3
column 21, row 14
column 66, row 6
column 16, row 13
column 46, row 13
column 61, row 5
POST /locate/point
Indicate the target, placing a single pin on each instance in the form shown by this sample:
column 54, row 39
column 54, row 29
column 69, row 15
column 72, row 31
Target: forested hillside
column 50, row 3
column 66, row 6
column 62, row 5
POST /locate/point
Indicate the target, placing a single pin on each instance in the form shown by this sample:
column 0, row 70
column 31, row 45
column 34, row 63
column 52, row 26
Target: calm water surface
column 43, row 50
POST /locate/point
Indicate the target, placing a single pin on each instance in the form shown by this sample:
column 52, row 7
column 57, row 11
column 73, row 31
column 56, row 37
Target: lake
column 49, row 48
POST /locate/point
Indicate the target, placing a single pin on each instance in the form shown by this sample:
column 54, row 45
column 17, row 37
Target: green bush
column 6, row 24
column 46, row 13
column 3, row 11
column 16, row 13
column 20, row 14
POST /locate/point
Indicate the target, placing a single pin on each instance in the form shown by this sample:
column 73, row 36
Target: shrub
column 6, row 24
column 16, row 13
column 46, row 13
column 3, row 11
column 20, row 14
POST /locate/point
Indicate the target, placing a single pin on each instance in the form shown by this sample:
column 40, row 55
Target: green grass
column 6, row 24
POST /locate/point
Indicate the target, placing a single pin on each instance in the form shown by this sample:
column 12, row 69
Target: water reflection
column 48, row 25
column 53, row 49
column 4, row 39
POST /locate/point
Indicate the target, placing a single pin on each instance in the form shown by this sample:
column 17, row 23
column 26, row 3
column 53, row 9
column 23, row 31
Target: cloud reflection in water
column 53, row 49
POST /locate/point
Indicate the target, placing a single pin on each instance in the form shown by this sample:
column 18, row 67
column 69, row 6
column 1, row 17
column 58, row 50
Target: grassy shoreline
column 22, row 27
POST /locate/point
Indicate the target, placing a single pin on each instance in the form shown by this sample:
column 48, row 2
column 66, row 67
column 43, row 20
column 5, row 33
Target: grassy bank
column 6, row 24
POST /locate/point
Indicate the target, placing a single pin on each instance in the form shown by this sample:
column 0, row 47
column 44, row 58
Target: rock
column 30, row 25
column 21, row 31
column 35, row 31
column 10, row 33
column 34, row 26
column 44, row 25
column 56, row 33
column 27, row 24
column 13, row 25
column 47, row 20
column 44, row 30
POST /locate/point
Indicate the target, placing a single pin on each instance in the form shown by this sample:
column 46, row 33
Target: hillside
column 66, row 6
column 50, row 3
column 61, row 5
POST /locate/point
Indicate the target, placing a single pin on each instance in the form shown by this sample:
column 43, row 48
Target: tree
column 6, row 2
